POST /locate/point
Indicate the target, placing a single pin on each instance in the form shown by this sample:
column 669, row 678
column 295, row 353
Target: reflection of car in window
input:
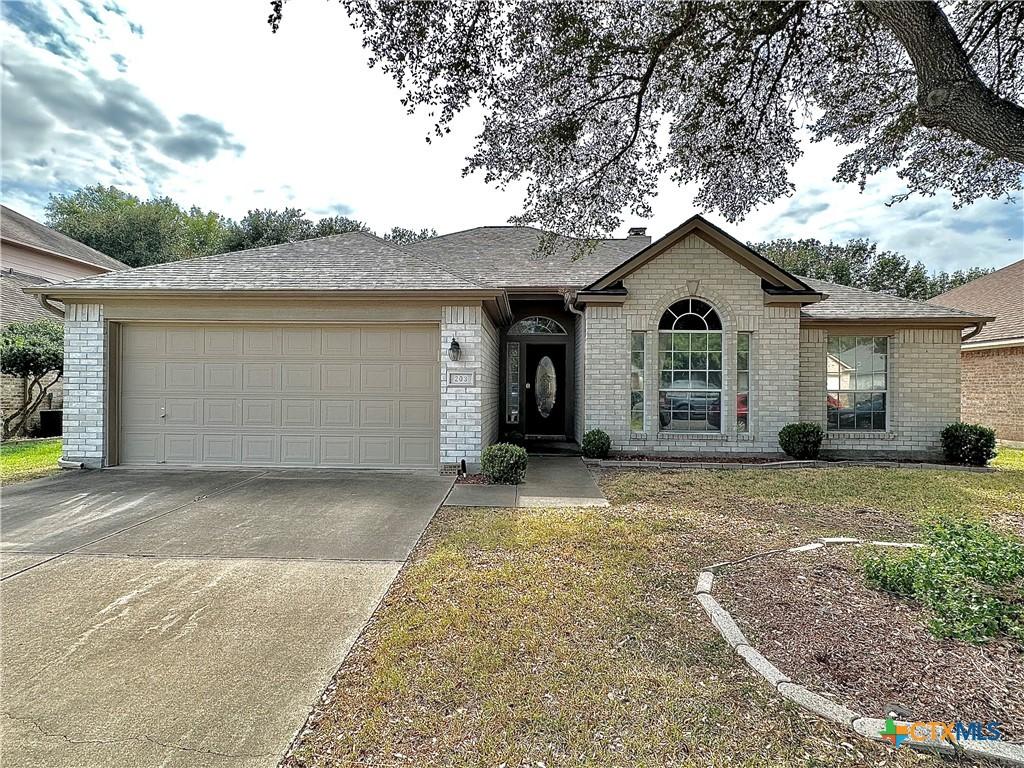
column 691, row 411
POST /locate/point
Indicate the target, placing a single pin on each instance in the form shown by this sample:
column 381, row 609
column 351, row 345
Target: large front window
column 856, row 380
column 690, row 363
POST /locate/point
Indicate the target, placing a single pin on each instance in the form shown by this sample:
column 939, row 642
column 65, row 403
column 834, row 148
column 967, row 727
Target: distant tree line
column 859, row 264
column 143, row 232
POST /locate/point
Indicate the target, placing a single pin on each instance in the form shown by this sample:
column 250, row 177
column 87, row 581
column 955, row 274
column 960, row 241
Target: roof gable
column 774, row 275
column 21, row 230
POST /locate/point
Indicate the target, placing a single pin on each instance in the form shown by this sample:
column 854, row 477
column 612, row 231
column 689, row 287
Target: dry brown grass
column 570, row 638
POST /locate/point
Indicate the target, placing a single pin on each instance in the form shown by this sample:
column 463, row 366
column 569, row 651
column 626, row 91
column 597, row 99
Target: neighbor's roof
column 16, row 306
column 511, row 257
column 1000, row 294
column 355, row 261
column 847, row 304
column 22, row 230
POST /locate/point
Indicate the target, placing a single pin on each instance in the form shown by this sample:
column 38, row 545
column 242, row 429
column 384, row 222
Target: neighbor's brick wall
column 923, row 393
column 693, row 268
column 993, row 390
column 12, row 397
column 464, row 429
column 84, row 383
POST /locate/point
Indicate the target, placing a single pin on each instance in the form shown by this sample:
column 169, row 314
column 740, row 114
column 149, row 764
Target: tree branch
column 949, row 92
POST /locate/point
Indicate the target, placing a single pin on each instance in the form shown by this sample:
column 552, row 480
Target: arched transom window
column 536, row 326
column 690, row 366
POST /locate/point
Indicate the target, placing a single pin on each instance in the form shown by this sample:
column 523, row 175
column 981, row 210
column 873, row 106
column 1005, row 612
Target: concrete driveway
column 188, row 617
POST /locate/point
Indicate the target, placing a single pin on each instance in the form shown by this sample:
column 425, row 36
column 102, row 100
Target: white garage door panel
column 339, row 396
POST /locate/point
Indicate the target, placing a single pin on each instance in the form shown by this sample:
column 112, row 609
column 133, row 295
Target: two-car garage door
column 290, row 395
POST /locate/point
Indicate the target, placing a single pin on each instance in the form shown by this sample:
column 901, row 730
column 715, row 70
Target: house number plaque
column 460, row 378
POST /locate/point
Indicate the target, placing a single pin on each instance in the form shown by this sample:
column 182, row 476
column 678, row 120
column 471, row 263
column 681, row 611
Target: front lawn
column 570, row 637
column 28, row 459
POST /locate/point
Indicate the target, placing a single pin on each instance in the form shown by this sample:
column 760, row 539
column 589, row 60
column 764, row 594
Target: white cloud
column 199, row 101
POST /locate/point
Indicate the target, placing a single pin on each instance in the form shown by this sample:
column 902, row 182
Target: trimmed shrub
column 970, row 444
column 801, row 440
column 968, row 576
column 504, row 463
column 596, row 444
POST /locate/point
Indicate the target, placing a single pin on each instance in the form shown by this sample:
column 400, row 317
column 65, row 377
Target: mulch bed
column 815, row 618
column 477, row 479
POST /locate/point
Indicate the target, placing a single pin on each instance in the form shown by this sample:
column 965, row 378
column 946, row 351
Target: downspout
column 45, row 302
column 975, row 332
column 570, row 297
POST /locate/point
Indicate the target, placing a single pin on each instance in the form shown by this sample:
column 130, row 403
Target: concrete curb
column 815, row 703
column 814, row 464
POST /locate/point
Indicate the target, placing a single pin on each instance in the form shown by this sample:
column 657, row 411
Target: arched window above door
column 690, row 315
column 536, row 326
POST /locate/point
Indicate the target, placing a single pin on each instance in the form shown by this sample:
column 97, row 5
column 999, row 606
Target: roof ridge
column 401, row 249
column 981, row 279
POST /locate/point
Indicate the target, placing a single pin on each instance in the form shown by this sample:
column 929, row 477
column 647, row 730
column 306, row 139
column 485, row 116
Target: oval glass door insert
column 545, row 386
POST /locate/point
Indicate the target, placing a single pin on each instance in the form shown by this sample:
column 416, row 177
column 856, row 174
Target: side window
column 637, row 363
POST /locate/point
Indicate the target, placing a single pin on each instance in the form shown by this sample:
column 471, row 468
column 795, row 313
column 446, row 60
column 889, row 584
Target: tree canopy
column 859, row 264
column 593, row 102
column 142, row 232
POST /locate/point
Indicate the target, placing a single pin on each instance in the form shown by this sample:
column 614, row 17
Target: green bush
column 970, row 577
column 596, row 444
column 801, row 440
column 504, row 463
column 970, row 444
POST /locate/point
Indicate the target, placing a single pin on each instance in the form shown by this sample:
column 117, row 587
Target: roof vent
column 637, row 231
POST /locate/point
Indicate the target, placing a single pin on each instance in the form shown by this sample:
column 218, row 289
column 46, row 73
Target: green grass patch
column 1009, row 459
column 969, row 576
column 27, row 459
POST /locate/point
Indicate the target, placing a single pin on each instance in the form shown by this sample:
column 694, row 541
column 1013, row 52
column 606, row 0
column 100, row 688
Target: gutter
column 44, row 300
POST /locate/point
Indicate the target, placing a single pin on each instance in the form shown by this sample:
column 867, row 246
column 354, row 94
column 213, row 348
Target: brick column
column 462, row 431
column 84, row 384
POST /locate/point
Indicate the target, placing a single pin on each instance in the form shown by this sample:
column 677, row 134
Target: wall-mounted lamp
column 454, row 351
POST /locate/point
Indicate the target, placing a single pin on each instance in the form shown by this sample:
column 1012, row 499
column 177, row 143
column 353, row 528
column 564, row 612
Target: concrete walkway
column 551, row 481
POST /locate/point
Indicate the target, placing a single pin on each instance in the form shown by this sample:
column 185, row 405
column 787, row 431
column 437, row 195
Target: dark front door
column 546, row 390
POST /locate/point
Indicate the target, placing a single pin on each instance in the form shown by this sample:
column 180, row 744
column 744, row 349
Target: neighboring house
column 992, row 362
column 349, row 351
column 31, row 254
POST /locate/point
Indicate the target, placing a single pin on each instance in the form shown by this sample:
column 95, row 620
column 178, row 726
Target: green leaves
column 32, row 350
column 970, row 577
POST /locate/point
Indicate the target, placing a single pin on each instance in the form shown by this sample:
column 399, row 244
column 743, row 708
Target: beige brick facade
column 84, row 384
column 787, row 368
column 469, row 413
column 923, row 391
column 993, row 390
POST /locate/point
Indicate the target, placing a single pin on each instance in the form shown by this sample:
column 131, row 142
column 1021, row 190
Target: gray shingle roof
column 355, row 261
column 22, row 229
column 845, row 303
column 508, row 257
column 1000, row 295
column 16, row 306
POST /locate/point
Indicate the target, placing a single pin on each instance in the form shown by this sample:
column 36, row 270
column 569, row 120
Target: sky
column 199, row 101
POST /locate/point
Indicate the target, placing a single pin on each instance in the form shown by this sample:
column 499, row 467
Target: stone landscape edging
column 815, row 703
column 794, row 464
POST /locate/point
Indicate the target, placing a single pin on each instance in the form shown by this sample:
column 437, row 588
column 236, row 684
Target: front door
column 546, row 390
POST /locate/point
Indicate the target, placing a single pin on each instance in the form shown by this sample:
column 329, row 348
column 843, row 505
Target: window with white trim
column 856, row 383
column 743, row 381
column 690, row 368
column 637, row 362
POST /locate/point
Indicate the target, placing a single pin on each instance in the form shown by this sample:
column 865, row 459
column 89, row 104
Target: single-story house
column 992, row 386
column 350, row 351
column 32, row 254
